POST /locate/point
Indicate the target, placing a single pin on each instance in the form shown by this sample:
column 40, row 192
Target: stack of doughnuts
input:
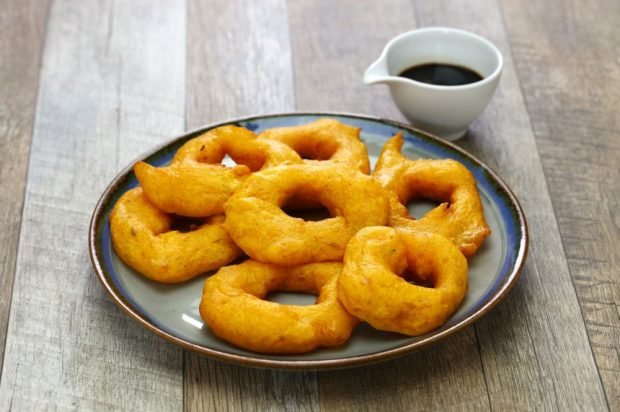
column 369, row 261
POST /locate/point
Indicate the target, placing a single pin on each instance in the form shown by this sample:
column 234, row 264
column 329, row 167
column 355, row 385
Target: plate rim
column 358, row 360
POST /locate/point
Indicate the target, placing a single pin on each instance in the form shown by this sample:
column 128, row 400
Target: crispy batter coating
column 196, row 184
column 234, row 308
column 256, row 222
column 373, row 288
column 459, row 218
column 324, row 140
column 188, row 189
column 143, row 239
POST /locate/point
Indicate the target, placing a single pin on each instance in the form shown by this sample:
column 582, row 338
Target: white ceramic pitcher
column 445, row 111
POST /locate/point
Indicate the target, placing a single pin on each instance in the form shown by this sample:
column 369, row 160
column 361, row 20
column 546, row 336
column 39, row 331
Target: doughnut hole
column 306, row 206
column 292, row 298
column 255, row 162
column 420, row 196
column 242, row 156
column 295, row 292
column 420, row 206
column 185, row 224
column 316, row 149
column 415, row 278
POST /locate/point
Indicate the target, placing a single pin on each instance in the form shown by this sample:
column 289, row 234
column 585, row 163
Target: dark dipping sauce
column 441, row 74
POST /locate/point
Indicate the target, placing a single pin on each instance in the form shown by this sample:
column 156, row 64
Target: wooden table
column 87, row 85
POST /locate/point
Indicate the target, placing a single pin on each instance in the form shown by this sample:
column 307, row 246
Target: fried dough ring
column 234, row 308
column 324, row 140
column 459, row 218
column 142, row 238
column 372, row 285
column 195, row 184
column 256, row 222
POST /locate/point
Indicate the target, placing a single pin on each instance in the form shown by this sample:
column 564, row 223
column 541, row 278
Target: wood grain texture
column 567, row 61
column 68, row 346
column 22, row 30
column 534, row 345
column 245, row 69
column 239, row 60
column 333, row 43
column 113, row 83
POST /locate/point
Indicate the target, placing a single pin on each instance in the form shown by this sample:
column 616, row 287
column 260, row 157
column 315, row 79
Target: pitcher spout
column 377, row 72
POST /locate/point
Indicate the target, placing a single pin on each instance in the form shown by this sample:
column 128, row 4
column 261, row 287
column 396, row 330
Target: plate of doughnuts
column 307, row 241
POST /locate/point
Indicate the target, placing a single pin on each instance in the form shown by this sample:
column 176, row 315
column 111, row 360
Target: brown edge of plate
column 353, row 361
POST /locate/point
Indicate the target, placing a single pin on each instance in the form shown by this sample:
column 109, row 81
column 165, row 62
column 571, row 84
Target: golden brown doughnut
column 459, row 218
column 234, row 307
column 256, row 222
column 373, row 286
column 324, row 140
column 143, row 239
column 196, row 184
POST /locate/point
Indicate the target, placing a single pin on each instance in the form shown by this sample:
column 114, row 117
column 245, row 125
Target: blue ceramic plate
column 171, row 311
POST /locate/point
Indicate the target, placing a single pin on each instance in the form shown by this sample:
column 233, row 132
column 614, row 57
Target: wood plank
column 244, row 70
column 333, row 43
column 566, row 58
column 244, row 66
column 110, row 71
column 22, row 31
column 535, row 343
